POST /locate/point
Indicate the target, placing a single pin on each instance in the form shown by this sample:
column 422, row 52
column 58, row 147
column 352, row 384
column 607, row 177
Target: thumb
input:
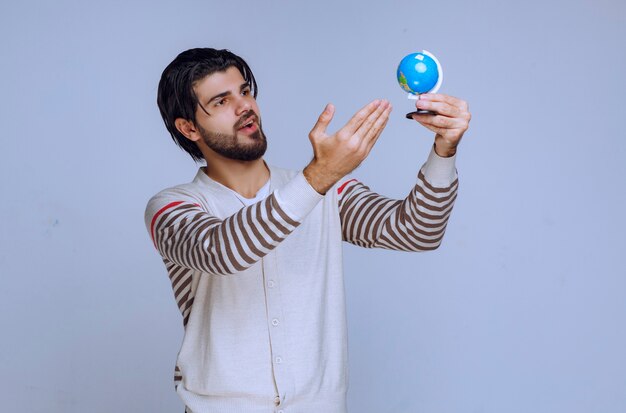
column 323, row 120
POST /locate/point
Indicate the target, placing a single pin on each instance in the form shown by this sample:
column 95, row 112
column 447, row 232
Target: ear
column 187, row 128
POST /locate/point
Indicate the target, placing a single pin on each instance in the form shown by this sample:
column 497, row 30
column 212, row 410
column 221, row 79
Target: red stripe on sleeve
column 154, row 218
column 342, row 187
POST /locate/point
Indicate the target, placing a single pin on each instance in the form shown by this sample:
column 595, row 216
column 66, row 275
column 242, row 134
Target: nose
column 243, row 105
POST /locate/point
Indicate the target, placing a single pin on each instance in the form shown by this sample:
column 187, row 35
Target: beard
column 229, row 146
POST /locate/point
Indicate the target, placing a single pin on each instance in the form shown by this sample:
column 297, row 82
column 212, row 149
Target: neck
column 243, row 177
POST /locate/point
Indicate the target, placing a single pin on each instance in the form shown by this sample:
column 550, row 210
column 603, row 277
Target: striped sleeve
column 187, row 235
column 416, row 223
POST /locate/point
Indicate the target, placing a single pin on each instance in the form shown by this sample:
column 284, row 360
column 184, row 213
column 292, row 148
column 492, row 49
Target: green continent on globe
column 403, row 83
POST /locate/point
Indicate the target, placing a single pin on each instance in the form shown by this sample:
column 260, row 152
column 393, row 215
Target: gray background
column 522, row 309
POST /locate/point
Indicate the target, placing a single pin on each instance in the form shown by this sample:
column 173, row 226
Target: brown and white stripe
column 178, row 377
column 414, row 224
column 181, row 285
column 188, row 236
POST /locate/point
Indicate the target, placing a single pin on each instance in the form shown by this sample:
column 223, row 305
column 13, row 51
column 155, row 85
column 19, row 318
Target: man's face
column 232, row 127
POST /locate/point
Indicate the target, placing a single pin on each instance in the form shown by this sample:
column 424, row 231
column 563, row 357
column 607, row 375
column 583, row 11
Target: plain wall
column 521, row 310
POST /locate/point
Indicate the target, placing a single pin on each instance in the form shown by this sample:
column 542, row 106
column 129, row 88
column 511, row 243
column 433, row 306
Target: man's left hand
column 449, row 123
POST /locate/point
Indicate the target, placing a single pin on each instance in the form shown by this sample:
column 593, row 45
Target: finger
column 442, row 108
column 323, row 120
column 439, row 131
column 451, row 100
column 377, row 130
column 432, row 128
column 358, row 118
column 439, row 121
column 374, row 132
column 440, row 97
column 371, row 120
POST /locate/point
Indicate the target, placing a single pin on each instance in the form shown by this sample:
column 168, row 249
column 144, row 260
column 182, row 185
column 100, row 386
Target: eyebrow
column 224, row 94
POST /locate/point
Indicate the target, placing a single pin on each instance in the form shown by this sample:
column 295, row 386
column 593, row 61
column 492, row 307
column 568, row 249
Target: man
column 254, row 251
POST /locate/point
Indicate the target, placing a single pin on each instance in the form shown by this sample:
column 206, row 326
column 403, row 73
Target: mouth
column 249, row 125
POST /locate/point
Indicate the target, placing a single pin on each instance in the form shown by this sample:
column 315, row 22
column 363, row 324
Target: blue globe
column 418, row 73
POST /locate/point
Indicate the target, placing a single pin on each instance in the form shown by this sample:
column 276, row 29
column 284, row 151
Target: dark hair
column 176, row 97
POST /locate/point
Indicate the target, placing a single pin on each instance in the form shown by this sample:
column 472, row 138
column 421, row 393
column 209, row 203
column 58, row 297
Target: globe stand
column 420, row 111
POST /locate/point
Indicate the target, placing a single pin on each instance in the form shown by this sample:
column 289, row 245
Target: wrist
column 319, row 177
column 444, row 150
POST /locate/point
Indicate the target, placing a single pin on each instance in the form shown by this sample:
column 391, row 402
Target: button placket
column 282, row 375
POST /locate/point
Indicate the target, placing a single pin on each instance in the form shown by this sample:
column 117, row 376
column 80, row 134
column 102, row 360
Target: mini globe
column 419, row 73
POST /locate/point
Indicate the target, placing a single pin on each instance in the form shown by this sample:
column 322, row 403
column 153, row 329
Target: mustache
column 246, row 117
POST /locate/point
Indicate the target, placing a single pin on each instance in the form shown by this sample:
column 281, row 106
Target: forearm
column 416, row 223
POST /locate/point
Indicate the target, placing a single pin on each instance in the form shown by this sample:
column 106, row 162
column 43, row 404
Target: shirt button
column 275, row 322
column 278, row 360
column 277, row 401
column 270, row 283
column 281, row 411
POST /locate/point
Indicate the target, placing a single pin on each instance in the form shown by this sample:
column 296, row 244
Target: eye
column 245, row 91
column 220, row 102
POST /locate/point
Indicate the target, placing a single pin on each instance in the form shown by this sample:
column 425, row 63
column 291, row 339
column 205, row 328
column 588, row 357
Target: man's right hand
column 336, row 155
